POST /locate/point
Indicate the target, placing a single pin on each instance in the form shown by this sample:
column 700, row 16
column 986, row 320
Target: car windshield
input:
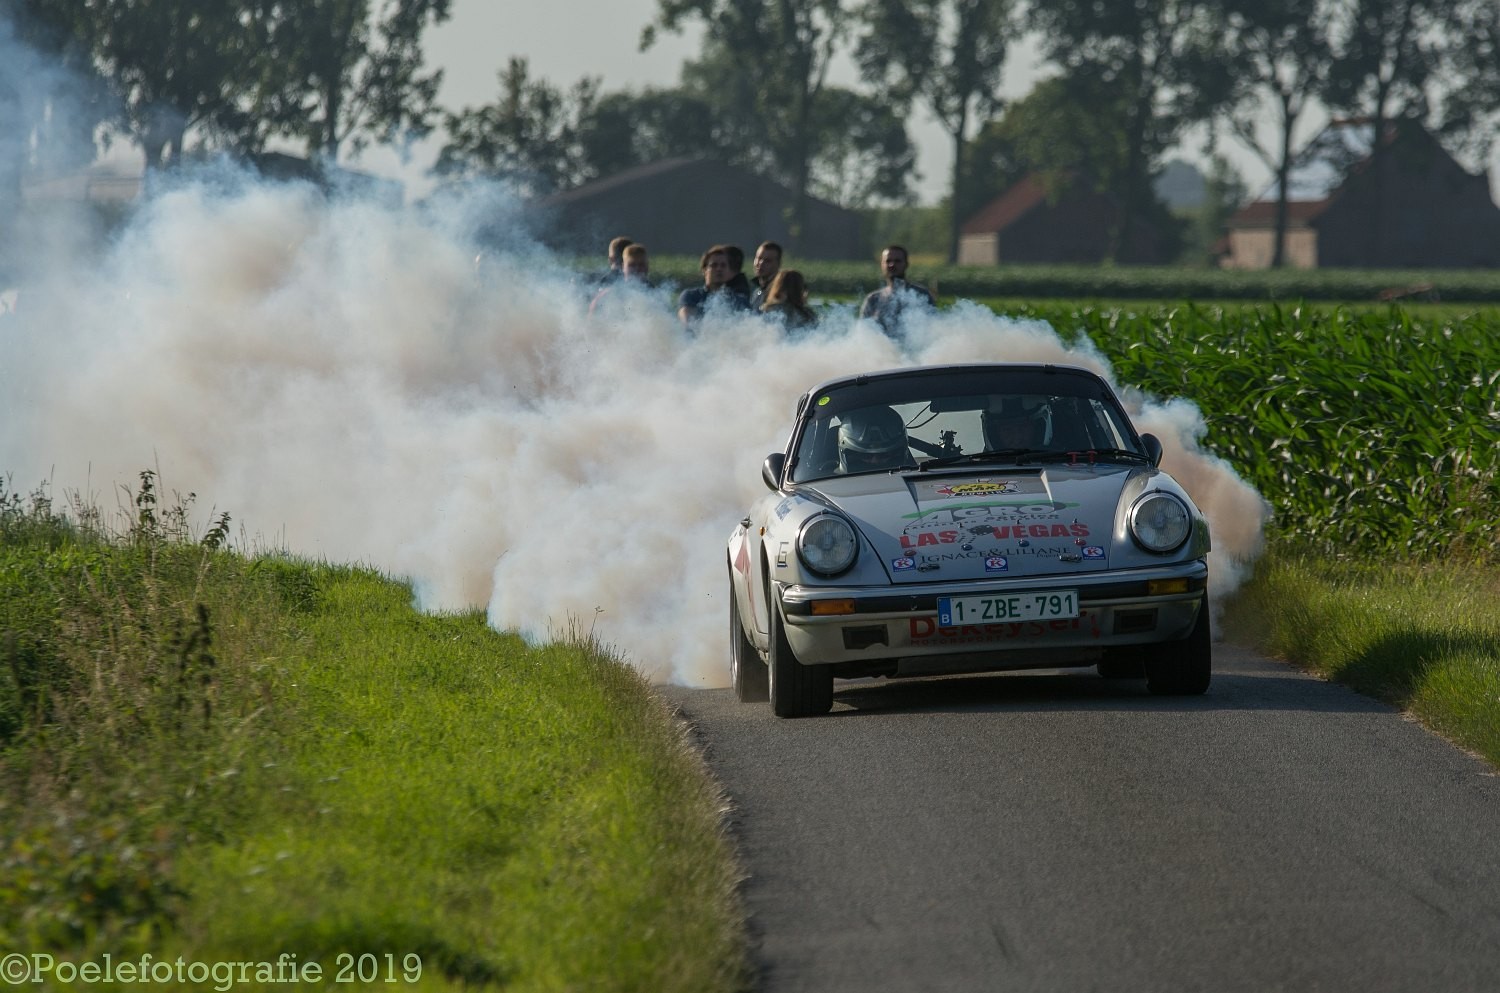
column 962, row 417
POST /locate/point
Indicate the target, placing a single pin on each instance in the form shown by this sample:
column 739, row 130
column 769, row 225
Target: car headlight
column 1160, row 522
column 827, row 544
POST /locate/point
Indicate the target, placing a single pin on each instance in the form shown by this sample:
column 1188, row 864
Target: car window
column 948, row 415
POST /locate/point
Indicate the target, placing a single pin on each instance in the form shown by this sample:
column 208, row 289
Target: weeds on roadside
column 120, row 735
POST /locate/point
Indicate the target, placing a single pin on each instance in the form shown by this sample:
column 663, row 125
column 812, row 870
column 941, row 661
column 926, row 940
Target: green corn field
column 1369, row 431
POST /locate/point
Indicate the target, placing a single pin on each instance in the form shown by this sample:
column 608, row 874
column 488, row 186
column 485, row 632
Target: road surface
column 1059, row 832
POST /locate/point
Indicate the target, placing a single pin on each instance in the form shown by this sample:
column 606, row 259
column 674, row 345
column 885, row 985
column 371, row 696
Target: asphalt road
column 1063, row 833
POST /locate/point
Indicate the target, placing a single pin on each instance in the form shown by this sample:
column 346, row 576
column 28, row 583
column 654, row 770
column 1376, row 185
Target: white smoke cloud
column 340, row 376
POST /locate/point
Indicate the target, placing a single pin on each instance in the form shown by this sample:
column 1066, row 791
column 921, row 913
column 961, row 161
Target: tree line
column 1123, row 82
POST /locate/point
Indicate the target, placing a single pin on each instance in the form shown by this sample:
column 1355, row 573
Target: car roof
column 957, row 368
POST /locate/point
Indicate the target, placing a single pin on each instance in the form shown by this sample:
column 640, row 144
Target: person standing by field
column 886, row 306
column 635, row 270
column 786, row 301
column 767, row 264
column 616, row 256
column 737, row 284
column 715, row 290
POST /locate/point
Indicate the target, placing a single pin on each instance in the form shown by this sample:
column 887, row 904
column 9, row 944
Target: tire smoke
column 343, row 376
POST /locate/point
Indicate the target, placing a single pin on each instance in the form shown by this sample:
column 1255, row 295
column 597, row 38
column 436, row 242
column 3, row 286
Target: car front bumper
column 832, row 624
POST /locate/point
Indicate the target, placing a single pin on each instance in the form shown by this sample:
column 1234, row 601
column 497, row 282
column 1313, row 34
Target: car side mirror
column 1152, row 445
column 770, row 469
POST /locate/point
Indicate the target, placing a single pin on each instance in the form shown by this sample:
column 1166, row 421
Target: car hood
column 930, row 527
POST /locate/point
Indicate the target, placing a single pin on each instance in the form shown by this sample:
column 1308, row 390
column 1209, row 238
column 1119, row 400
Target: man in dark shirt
column 715, row 289
column 635, row 270
column 616, row 256
column 737, row 281
column 885, row 306
column 767, row 265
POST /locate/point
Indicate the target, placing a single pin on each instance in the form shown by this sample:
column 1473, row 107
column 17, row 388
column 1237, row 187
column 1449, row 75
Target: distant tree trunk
column 1283, row 194
column 955, row 221
column 333, row 103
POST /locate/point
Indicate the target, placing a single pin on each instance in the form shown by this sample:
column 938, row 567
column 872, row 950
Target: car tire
column 797, row 690
column 1183, row 668
column 751, row 679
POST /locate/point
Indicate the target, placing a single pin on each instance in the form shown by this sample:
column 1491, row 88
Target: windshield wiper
column 1089, row 456
column 994, row 455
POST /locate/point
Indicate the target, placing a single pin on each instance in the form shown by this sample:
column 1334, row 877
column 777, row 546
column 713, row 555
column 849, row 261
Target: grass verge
column 1424, row 637
column 234, row 760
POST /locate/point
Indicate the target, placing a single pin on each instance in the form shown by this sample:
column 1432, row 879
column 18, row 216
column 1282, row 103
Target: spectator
column 635, row 268
column 786, row 300
column 616, row 257
column 885, row 306
column 737, row 281
column 715, row 289
column 767, row 265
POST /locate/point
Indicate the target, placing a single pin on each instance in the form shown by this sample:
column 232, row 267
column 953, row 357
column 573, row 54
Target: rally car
column 965, row 518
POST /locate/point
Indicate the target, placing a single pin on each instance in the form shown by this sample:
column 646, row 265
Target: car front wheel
column 1183, row 668
column 797, row 690
column 748, row 671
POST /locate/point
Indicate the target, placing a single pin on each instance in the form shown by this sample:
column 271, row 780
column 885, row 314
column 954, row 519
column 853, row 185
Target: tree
column 1388, row 54
column 864, row 155
column 1281, row 56
column 626, row 129
column 1067, row 129
column 950, row 55
column 176, row 65
column 342, row 72
column 1471, row 107
column 532, row 135
column 1162, row 56
column 1224, row 193
column 765, row 67
column 51, row 98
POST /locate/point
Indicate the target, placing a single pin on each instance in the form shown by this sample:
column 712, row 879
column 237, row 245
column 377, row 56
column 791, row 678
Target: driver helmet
column 872, row 438
column 1011, row 423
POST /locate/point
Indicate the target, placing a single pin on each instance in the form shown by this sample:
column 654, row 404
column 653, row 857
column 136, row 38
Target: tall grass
column 230, row 759
column 1425, row 638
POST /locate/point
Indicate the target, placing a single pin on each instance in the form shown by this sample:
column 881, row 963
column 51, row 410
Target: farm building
column 1031, row 222
column 1420, row 209
column 682, row 206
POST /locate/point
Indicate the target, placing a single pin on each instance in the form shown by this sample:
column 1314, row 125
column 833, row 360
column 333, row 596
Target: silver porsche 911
column 965, row 518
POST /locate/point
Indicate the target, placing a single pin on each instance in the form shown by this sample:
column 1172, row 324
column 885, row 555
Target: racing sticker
column 902, row 564
column 934, row 490
column 978, row 488
column 1093, row 551
column 950, row 536
column 996, row 563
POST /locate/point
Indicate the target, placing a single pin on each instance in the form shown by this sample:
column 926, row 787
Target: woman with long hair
column 787, row 300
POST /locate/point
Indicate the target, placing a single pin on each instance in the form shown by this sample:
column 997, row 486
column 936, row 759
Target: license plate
column 1052, row 605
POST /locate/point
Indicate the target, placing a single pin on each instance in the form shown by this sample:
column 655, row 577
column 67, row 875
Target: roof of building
column 1262, row 213
column 1008, row 207
column 624, row 178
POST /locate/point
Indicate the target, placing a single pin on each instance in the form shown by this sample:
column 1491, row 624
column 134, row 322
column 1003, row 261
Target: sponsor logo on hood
column 978, row 488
